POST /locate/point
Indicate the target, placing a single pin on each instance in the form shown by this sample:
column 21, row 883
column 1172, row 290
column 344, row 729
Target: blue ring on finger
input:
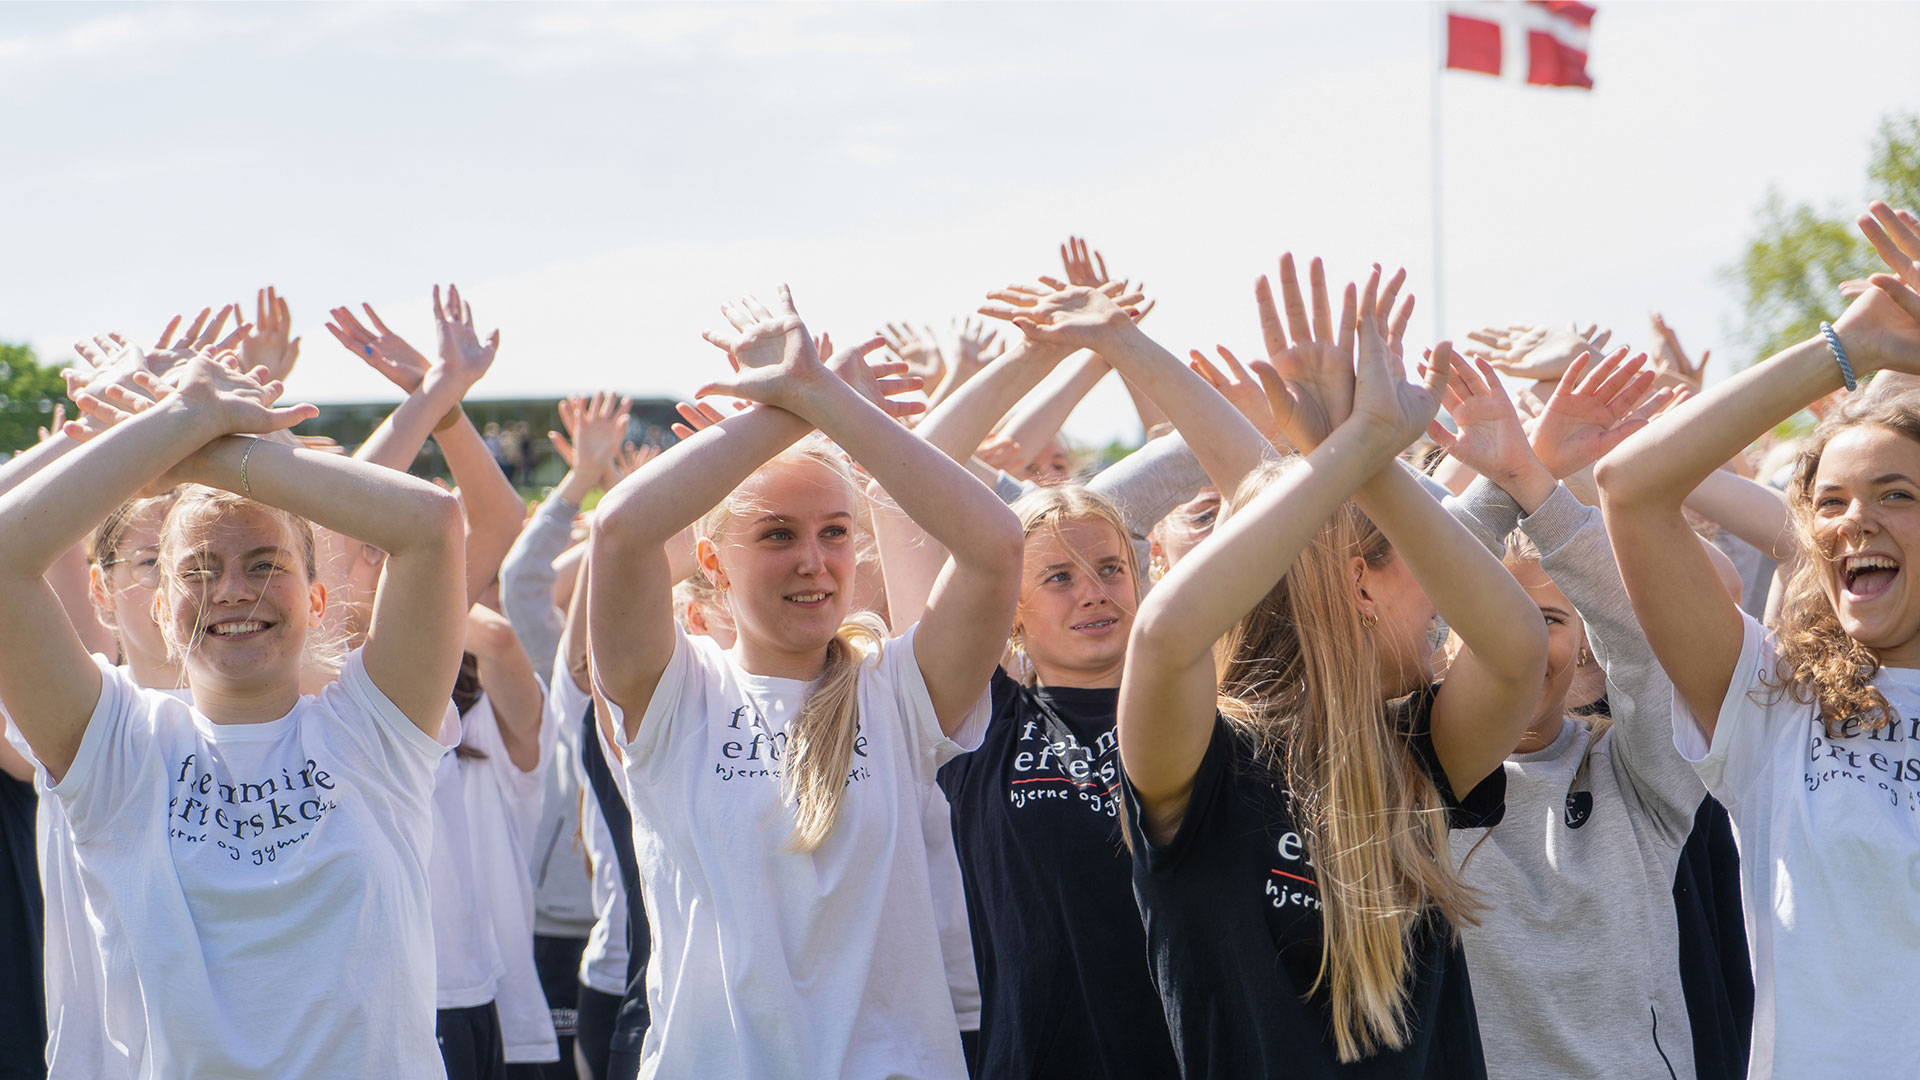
column 369, row 349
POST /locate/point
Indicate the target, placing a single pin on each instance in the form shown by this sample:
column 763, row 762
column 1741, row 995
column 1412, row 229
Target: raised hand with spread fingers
column 385, row 351
column 266, row 343
column 1593, row 411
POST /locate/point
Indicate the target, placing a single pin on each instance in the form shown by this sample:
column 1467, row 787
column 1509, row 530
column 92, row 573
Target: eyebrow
column 1108, row 561
column 1883, row 479
column 836, row 515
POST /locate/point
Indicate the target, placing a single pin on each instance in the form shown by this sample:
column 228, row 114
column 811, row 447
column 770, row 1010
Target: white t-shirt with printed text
column 768, row 963
column 270, row 878
column 1829, row 835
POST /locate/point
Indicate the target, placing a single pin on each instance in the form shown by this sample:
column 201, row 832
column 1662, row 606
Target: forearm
column 401, row 515
column 55, row 508
column 939, row 494
column 1039, row 415
column 674, row 490
column 33, row 459
column 1663, row 463
column 1749, row 510
column 1211, row 589
column 514, row 690
column 1469, row 588
column 494, row 510
column 1150, row 412
column 398, row 439
column 960, row 423
column 1227, row 445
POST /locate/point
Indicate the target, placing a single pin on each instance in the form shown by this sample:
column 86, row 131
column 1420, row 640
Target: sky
column 598, row 178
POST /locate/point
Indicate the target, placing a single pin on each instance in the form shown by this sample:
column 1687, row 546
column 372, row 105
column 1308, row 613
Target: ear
column 708, row 557
column 316, row 603
column 102, row 597
column 696, row 618
column 1360, row 598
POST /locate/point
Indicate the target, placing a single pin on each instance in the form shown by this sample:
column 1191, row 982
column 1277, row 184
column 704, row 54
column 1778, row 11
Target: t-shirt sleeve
column 1480, row 808
column 375, row 732
column 1741, row 745
column 929, row 744
column 678, row 690
column 1210, row 788
column 116, row 752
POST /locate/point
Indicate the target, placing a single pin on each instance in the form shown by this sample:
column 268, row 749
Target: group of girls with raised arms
column 1258, row 754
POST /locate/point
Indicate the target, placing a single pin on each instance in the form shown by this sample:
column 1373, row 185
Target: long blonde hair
column 820, row 741
column 1816, row 661
column 1300, row 683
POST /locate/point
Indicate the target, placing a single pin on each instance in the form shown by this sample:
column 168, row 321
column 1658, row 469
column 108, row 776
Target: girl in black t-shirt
column 1288, row 816
column 1058, row 942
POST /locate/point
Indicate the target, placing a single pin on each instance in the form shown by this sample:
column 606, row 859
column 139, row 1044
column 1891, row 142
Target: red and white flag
column 1554, row 33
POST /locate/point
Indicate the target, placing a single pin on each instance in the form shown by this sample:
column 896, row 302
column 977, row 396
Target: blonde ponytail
column 820, row 740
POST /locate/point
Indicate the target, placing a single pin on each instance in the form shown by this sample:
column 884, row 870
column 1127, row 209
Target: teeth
column 227, row 629
column 1856, row 563
column 808, row 598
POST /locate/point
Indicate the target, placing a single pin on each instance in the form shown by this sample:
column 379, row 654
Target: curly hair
column 1817, row 662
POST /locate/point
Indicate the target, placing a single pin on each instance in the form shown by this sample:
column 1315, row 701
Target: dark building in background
column 515, row 429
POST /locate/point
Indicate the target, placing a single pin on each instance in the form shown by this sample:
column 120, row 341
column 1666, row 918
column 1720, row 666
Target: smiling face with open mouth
column 1076, row 603
column 1866, row 519
column 238, row 596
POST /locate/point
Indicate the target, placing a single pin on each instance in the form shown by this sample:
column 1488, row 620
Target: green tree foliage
column 1791, row 272
column 28, row 394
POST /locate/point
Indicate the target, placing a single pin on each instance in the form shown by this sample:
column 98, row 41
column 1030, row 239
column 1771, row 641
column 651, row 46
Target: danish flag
column 1555, row 32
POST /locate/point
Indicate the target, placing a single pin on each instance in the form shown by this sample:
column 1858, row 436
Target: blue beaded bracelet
column 1839, row 354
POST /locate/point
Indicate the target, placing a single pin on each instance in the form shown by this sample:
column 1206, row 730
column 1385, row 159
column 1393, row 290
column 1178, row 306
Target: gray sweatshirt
column 562, row 892
column 1575, row 963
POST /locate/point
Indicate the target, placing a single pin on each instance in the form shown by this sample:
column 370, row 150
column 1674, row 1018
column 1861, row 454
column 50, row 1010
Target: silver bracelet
column 1839, row 354
column 246, row 489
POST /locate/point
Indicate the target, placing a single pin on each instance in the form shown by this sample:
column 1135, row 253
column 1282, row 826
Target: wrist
column 1530, row 485
column 574, row 488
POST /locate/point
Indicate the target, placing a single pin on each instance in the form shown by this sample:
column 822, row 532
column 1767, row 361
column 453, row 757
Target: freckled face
column 240, row 597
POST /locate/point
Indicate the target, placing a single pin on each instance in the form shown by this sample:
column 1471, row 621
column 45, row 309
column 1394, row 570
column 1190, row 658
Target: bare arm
column 1169, row 691
column 1693, row 625
column 1040, row 414
column 49, row 684
column 630, row 597
column 959, row 639
column 1749, row 510
column 512, row 686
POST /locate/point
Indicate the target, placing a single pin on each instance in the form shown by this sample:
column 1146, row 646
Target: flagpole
column 1436, row 62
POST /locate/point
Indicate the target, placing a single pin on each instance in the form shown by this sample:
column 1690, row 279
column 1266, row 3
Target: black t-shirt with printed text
column 23, row 1011
column 1057, row 938
column 1232, row 909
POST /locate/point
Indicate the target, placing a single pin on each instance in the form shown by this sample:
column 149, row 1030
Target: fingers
column 1298, row 323
column 1203, row 368
column 439, row 311
column 1614, row 380
column 1322, row 312
column 1437, row 371
column 167, row 334
column 1397, row 326
column 1899, row 292
column 1347, row 301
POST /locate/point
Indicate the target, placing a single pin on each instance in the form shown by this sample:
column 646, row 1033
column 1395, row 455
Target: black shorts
column 470, row 1043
